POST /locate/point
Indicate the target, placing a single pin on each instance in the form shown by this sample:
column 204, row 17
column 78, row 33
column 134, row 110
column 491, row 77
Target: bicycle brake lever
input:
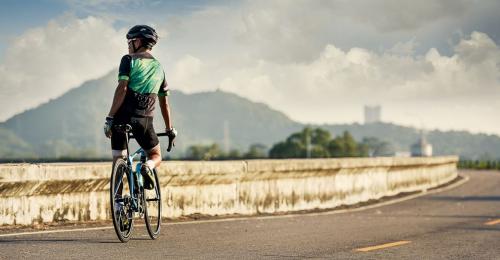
column 170, row 144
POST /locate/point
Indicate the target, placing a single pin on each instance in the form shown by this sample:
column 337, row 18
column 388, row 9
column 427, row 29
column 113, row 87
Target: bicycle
column 128, row 196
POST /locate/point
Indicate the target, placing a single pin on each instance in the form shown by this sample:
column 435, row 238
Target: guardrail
column 56, row 192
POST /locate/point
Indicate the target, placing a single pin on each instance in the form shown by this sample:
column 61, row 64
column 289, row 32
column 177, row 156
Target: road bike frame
column 136, row 175
column 137, row 200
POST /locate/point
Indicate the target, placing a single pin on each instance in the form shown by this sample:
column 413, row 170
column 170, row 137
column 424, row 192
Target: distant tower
column 227, row 144
column 422, row 147
column 372, row 114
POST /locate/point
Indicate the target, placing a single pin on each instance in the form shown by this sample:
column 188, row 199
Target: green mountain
column 71, row 126
column 12, row 146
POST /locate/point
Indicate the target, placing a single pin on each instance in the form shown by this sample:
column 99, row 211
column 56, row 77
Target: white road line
column 292, row 215
column 54, row 231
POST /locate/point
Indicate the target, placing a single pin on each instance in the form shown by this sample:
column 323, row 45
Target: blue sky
column 317, row 61
column 18, row 16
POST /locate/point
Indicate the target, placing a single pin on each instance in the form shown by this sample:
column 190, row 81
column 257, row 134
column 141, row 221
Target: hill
column 12, row 146
column 71, row 125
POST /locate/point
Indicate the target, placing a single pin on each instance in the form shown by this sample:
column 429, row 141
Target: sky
column 433, row 64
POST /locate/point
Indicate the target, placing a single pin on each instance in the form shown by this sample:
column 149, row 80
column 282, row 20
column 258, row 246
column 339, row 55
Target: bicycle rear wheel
column 121, row 203
column 152, row 212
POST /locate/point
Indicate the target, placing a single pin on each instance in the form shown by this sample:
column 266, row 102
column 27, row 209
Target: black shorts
column 142, row 129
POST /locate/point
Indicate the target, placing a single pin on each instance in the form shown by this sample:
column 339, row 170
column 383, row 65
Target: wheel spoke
column 120, row 181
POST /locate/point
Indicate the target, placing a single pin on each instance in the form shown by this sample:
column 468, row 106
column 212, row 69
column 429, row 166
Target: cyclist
column 140, row 80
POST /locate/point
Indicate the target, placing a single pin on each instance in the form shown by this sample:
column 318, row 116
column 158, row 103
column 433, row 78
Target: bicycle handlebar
column 170, row 141
column 127, row 128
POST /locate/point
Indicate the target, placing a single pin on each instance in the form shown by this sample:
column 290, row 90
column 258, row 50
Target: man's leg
column 118, row 150
column 118, row 145
column 117, row 154
column 154, row 160
column 154, row 156
column 148, row 140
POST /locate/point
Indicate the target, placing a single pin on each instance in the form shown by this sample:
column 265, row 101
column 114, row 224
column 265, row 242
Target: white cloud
column 338, row 83
column 294, row 58
column 317, row 61
column 291, row 31
column 185, row 71
column 402, row 15
column 45, row 62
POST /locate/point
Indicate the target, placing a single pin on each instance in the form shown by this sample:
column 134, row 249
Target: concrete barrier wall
column 44, row 193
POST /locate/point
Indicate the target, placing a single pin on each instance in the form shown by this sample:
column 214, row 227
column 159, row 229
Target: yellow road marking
column 371, row 248
column 493, row 222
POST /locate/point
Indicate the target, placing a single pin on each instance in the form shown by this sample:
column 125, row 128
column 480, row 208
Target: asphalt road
column 459, row 223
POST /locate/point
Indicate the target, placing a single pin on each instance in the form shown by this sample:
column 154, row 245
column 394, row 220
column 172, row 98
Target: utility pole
column 226, row 137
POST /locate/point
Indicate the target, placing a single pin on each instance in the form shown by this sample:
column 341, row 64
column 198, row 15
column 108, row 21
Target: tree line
column 308, row 143
column 318, row 143
column 479, row 164
column 215, row 152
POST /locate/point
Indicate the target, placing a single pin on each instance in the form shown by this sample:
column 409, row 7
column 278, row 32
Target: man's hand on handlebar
column 107, row 126
column 171, row 133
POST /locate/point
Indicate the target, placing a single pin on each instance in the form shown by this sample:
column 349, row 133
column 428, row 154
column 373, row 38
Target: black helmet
column 143, row 32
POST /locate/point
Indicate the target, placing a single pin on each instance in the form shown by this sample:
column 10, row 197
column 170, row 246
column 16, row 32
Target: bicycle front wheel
column 121, row 203
column 152, row 212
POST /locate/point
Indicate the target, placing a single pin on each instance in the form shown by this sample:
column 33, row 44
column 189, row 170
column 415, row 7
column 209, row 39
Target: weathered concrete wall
column 42, row 193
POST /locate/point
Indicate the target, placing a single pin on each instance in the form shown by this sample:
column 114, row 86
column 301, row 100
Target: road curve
column 461, row 223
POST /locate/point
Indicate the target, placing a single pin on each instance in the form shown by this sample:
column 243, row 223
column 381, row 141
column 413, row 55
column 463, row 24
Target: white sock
column 150, row 164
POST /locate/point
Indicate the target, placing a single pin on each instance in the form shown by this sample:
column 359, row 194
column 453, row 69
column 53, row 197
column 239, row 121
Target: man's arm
column 119, row 97
column 165, row 111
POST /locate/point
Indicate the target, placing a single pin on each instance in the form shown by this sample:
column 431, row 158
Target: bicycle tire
column 122, row 222
column 152, row 208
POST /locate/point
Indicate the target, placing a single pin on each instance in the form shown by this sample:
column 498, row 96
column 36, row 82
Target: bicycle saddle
column 124, row 128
